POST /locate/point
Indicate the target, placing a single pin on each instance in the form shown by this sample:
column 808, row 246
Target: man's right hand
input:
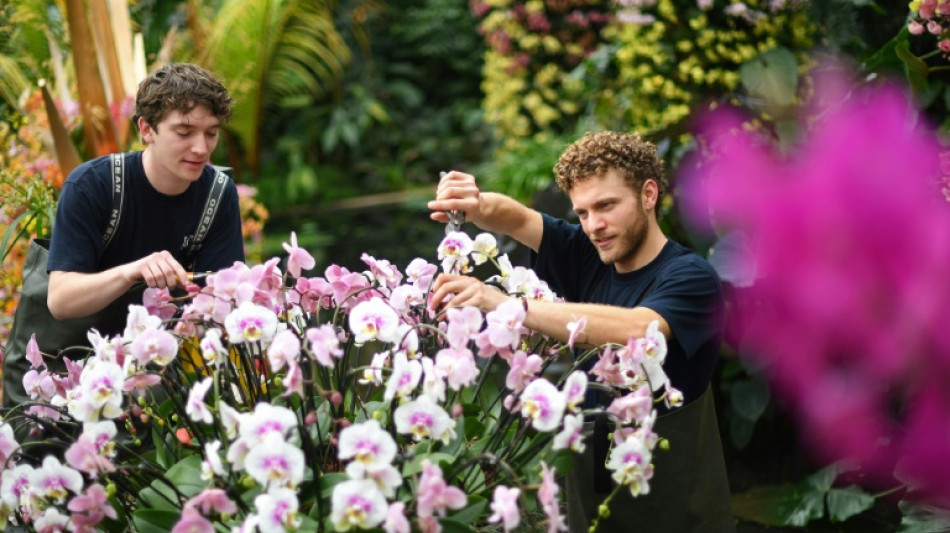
column 457, row 191
column 159, row 269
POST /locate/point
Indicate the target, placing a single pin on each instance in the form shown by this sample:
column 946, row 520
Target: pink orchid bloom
column 396, row 521
column 324, row 344
column 158, row 302
column 192, row 522
column 283, row 350
column 852, row 304
column 458, row 366
column 634, row 406
column 575, row 328
column 90, row 508
column 381, row 271
column 297, row 258
column 212, row 500
column 524, row 368
column 434, row 496
column 547, row 497
column 33, row 354
column 293, row 380
column 464, row 324
column 504, row 507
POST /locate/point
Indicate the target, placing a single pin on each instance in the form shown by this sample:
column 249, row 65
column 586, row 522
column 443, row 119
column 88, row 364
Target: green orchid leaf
column 473, row 427
column 740, row 431
column 437, row 458
column 772, row 76
column 779, row 505
column 922, row 518
column 821, row 480
column 155, row 520
column 750, row 398
column 847, row 502
column 470, row 514
column 328, row 481
column 914, row 67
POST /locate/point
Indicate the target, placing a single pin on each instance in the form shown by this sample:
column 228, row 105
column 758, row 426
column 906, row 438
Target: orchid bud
column 457, row 410
column 664, row 444
column 310, row 419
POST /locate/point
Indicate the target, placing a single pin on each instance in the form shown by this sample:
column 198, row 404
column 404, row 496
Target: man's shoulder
column 91, row 171
column 687, row 262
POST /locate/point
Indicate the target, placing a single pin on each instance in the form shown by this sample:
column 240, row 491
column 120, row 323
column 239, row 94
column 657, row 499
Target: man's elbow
column 57, row 307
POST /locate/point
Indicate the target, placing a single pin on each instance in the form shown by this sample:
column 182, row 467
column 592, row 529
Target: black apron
column 689, row 491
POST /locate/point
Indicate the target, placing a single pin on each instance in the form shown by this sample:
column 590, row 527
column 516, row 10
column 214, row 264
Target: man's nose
column 201, row 146
column 595, row 222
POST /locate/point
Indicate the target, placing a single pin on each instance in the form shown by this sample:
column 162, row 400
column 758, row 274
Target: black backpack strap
column 193, row 243
column 118, row 184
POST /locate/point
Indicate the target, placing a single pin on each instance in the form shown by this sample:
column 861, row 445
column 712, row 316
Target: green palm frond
column 12, row 80
column 272, row 49
column 24, row 47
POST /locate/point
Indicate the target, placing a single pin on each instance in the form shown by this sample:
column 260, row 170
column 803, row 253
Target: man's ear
column 145, row 130
column 649, row 194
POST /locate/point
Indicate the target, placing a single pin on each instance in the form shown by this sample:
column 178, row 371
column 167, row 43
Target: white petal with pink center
column 357, row 503
column 543, row 404
column 631, row 463
column 275, row 463
column 374, row 320
column 423, row 418
column 404, row 378
column 251, row 322
column 366, row 443
column 277, row 510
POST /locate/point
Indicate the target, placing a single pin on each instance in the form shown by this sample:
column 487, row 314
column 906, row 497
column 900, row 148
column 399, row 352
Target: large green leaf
column 184, row 476
column 788, row 504
column 921, row 518
column 772, row 76
column 914, row 67
column 847, row 502
column 154, row 520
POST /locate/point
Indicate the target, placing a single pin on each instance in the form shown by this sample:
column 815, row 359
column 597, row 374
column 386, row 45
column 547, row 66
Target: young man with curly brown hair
column 619, row 270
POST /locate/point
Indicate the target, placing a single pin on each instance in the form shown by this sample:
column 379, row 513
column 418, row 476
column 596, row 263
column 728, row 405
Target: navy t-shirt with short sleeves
column 678, row 284
column 150, row 221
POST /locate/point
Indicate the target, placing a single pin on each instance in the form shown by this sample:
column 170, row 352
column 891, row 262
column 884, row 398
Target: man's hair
column 180, row 87
column 595, row 153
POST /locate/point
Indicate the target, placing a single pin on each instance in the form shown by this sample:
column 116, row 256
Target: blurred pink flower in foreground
column 850, row 240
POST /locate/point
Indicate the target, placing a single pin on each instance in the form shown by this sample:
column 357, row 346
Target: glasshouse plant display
column 267, row 400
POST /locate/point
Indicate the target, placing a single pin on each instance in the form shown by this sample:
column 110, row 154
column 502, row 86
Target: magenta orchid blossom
column 849, row 238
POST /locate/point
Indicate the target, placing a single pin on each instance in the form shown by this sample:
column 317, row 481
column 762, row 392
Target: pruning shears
column 456, row 218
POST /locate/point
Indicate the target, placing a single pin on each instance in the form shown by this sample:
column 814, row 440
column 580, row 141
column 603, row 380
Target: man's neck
column 649, row 249
column 153, row 173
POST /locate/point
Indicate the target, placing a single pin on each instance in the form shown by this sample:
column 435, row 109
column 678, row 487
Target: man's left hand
column 464, row 291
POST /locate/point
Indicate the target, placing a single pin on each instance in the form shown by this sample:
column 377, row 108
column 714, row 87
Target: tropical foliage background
column 347, row 111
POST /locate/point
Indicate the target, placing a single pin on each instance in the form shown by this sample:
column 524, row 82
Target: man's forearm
column 501, row 214
column 76, row 294
column 605, row 323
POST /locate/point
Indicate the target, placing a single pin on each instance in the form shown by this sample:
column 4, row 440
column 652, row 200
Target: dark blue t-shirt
column 150, row 222
column 678, row 284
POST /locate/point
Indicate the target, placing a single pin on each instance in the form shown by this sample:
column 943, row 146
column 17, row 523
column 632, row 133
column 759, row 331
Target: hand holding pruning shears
column 456, row 196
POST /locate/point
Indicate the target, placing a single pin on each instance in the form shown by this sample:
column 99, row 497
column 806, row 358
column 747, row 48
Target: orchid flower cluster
column 271, row 401
column 930, row 17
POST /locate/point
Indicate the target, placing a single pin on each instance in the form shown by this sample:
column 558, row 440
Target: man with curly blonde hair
column 617, row 269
